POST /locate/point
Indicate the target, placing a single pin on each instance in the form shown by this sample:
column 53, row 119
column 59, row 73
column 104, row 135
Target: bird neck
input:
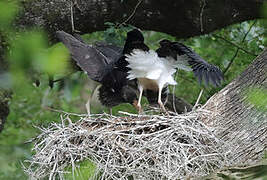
column 131, row 45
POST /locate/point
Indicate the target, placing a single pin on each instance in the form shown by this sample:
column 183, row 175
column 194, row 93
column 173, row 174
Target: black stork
column 98, row 62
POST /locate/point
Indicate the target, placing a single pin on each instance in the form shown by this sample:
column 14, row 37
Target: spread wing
column 97, row 61
column 112, row 52
column 202, row 70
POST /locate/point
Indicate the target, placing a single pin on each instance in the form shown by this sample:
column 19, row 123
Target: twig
column 237, row 50
column 229, row 42
column 144, row 147
column 199, row 96
column 231, row 61
column 64, row 112
column 173, row 99
column 173, row 95
column 132, row 14
column 72, row 16
column 201, row 15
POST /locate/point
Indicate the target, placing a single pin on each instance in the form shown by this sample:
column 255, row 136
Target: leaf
column 84, row 170
column 8, row 10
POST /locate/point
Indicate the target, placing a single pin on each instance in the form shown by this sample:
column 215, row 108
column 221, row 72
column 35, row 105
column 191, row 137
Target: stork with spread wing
column 154, row 70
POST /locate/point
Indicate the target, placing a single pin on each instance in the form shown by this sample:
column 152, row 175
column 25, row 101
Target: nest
column 132, row 146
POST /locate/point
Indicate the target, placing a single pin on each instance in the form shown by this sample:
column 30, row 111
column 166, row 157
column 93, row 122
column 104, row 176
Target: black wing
column 152, row 96
column 203, row 71
column 112, row 52
column 89, row 58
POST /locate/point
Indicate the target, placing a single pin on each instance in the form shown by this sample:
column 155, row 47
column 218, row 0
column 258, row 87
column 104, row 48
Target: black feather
column 202, row 70
column 87, row 57
column 134, row 40
column 98, row 61
column 152, row 96
column 112, row 52
column 78, row 37
column 110, row 97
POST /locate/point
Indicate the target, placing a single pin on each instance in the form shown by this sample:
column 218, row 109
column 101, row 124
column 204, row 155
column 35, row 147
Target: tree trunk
column 176, row 17
column 244, row 124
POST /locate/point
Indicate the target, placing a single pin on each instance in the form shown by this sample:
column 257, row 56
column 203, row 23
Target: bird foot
column 163, row 109
column 138, row 107
column 140, row 111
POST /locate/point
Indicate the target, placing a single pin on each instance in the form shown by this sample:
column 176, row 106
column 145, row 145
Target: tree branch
column 242, row 121
column 178, row 18
column 233, row 44
column 237, row 50
column 133, row 13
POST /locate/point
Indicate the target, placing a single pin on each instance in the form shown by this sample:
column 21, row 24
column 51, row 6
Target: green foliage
column 220, row 52
column 55, row 60
column 116, row 35
column 257, row 97
column 29, row 53
column 258, row 171
column 264, row 10
column 26, row 111
column 26, row 47
column 8, row 10
column 83, row 170
column 265, row 155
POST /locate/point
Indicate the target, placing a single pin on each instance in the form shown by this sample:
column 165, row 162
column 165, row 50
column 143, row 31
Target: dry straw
column 132, row 146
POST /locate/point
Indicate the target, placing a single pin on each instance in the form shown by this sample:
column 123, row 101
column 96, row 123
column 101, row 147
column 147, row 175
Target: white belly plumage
column 151, row 71
column 147, row 66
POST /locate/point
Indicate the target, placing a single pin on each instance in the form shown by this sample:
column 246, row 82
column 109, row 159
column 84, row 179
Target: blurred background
column 32, row 60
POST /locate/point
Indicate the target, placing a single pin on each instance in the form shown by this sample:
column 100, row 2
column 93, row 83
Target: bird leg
column 160, row 102
column 135, row 102
column 88, row 104
column 139, row 99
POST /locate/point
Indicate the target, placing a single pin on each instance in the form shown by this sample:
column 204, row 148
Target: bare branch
column 144, row 147
column 201, row 16
column 134, row 11
column 230, row 42
column 237, row 50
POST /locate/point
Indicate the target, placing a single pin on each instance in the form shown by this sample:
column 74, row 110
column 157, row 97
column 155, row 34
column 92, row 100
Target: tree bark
column 176, row 17
column 243, row 123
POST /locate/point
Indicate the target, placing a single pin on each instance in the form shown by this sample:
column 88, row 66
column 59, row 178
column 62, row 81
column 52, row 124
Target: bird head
column 129, row 95
column 165, row 49
column 165, row 43
column 135, row 35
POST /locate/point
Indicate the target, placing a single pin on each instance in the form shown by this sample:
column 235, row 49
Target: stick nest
column 133, row 146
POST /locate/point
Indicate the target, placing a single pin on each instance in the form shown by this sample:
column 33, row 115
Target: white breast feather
column 180, row 63
column 149, row 65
